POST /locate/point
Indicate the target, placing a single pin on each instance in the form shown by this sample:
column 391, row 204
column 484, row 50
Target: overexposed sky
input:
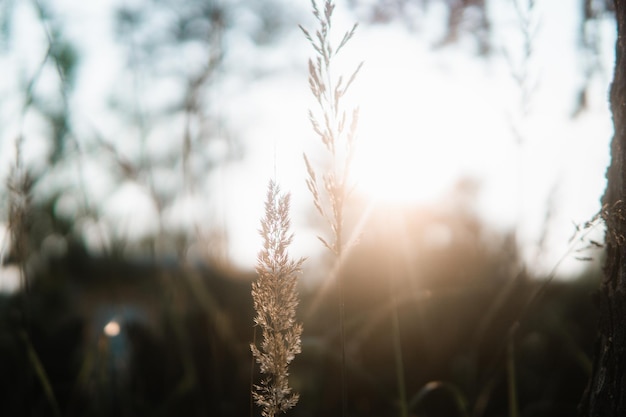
column 428, row 118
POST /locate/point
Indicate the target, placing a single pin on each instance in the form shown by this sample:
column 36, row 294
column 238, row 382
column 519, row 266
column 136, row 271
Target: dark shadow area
column 130, row 337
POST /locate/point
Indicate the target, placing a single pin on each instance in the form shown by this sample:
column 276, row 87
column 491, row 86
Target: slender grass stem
column 330, row 194
column 511, row 376
column 399, row 360
column 342, row 329
column 40, row 371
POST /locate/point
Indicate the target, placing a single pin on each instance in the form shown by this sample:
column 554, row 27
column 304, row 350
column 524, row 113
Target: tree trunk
column 605, row 395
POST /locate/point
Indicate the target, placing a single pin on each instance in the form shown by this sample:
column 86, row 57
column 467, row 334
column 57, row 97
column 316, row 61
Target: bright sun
column 397, row 171
column 403, row 152
column 423, row 124
column 405, row 135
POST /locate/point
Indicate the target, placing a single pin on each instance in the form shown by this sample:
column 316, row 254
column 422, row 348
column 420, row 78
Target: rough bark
column 605, row 395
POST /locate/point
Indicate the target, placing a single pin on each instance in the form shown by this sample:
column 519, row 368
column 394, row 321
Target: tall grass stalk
column 19, row 188
column 526, row 79
column 275, row 300
column 399, row 361
column 511, row 374
column 394, row 267
column 41, row 373
column 336, row 129
column 19, row 185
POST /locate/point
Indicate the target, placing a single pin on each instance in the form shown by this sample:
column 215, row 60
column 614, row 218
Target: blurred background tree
column 158, row 131
column 605, row 393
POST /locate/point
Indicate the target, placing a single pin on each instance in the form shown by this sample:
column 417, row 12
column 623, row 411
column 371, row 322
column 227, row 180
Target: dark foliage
column 183, row 346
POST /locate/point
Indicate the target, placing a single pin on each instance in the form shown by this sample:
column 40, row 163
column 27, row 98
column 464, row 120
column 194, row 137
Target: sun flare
column 404, row 136
column 397, row 171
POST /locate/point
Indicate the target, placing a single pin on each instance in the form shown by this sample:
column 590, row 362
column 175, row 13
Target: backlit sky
column 428, row 118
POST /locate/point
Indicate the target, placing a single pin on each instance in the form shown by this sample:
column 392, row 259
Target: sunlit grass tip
column 275, row 300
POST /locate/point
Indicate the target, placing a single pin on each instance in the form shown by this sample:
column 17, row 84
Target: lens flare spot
column 112, row 328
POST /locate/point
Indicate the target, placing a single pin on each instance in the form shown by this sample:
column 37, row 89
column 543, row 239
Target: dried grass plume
column 275, row 300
